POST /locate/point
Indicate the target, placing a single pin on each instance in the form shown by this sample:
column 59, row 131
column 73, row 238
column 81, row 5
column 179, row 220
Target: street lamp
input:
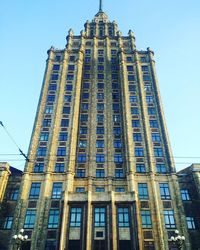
column 20, row 239
column 178, row 239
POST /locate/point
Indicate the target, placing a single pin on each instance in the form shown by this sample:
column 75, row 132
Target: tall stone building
column 101, row 174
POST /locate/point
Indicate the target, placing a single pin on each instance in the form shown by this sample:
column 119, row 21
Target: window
column 59, row 167
column 146, row 219
column 129, row 59
column 135, row 123
column 81, row 158
column 50, row 98
column 38, row 168
column 80, row 173
column 100, row 189
column 100, row 67
column 149, row 99
column 68, row 87
column 87, row 67
column 30, row 218
column 151, row 111
column 116, row 130
column 161, row 168
column 82, row 144
column 116, row 107
column 41, row 151
column 123, row 217
column 169, row 219
column 115, row 85
column 158, row 152
column 164, row 191
column 86, row 85
column 100, row 76
column 75, row 217
column 68, row 98
column 146, row 77
column 100, row 130
column 85, row 95
column 140, row 168
column 133, row 99
column 99, row 217
column 57, row 190
column 117, row 144
column 118, row 158
column 100, row 59
column 84, row 106
column 143, row 191
column 155, row 137
column 8, row 223
column 83, row 130
column 129, row 68
column 87, row 59
column 114, row 76
column 190, row 223
column 53, row 218
column 88, row 51
column 56, row 67
column 14, row 193
column 116, row 118
column 52, row 86
column 115, row 96
column 61, row 151
column 100, row 106
column 143, row 59
column 71, row 67
column 48, row 110
column 185, row 195
column 86, row 76
column 137, row 137
column 144, row 68
column 72, row 58
column 54, row 77
column 131, row 77
column 132, row 87
column 34, row 191
column 139, row 152
column 63, row 136
column 100, row 52
column 100, row 96
column 100, row 158
column 119, row 173
column 84, row 118
column 44, row 136
column 80, row 189
column 50, row 245
column 100, row 118
column 66, row 110
column 153, row 124
column 99, row 144
column 100, row 85
column 120, row 189
column 64, row 123
column 134, row 111
column 46, row 123
column 57, row 58
column 100, row 173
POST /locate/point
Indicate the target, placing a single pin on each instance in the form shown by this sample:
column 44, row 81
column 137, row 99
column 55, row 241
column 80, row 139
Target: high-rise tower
column 101, row 173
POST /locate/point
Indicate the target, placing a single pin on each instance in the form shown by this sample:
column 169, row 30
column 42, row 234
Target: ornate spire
column 100, row 6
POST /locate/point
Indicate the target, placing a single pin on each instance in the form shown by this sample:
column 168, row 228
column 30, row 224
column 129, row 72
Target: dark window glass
column 54, row 77
column 99, row 144
column 146, row 77
column 116, row 107
column 149, row 99
column 134, row 111
column 71, row 67
column 63, row 136
column 57, row 190
column 100, row 173
column 80, row 173
column 68, row 87
column 72, row 58
column 100, row 189
column 143, row 191
column 84, row 106
column 80, row 189
column 118, row 158
column 100, row 59
column 86, row 85
column 46, row 123
column 100, row 118
column 161, row 168
column 81, row 158
column 86, row 76
column 137, row 137
column 117, row 144
column 61, row 151
column 129, row 68
column 70, row 77
column 132, row 88
column 52, row 86
column 135, row 123
column 59, row 167
column 144, row 68
column 50, row 98
column 117, row 131
column 158, row 152
column 131, row 77
column 66, row 110
column 64, row 123
column 100, row 158
column 100, row 67
column 68, row 98
column 14, row 193
column 38, row 168
column 100, row 130
column 50, row 245
column 82, row 144
column 85, row 95
column 35, row 190
column 100, row 96
column 100, row 106
column 41, row 151
column 151, row 111
column 119, row 173
column 164, row 191
column 100, row 85
column 8, row 223
column 84, row 118
column 115, row 85
column 30, row 218
column 44, row 136
column 83, row 130
column 56, row 67
column 153, row 124
column 140, row 168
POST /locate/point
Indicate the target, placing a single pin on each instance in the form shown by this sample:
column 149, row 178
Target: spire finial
column 100, row 5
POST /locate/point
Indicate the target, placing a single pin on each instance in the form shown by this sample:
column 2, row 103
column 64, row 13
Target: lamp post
column 20, row 239
column 178, row 239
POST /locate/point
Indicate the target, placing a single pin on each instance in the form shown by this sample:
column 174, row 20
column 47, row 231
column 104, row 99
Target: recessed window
column 8, row 223
column 144, row 68
column 129, row 68
column 52, row 86
column 44, row 136
column 84, row 118
column 48, row 110
column 57, row 190
column 120, row 189
column 13, row 194
column 34, row 190
column 131, row 87
column 64, row 123
column 140, row 168
column 99, row 217
column 71, row 67
column 99, row 144
column 164, row 191
column 146, row 219
column 190, row 223
column 46, row 123
column 100, row 96
column 100, row 106
column 38, row 168
column 100, row 158
column 85, row 95
column 83, row 130
column 134, row 111
column 100, row 118
column 63, row 136
column 100, row 85
column 118, row 158
column 80, row 190
column 59, row 167
column 41, row 151
column 143, row 191
column 139, row 152
column 68, row 98
column 158, row 152
column 119, row 173
column 137, row 137
column 135, row 123
column 155, row 137
column 30, row 218
column 169, row 219
column 56, row 67
column 80, row 173
column 66, row 110
column 75, row 216
column 100, row 173
column 185, row 195
column 81, row 158
column 53, row 218
column 117, row 144
column 151, row 111
column 100, row 130
column 61, row 151
column 153, row 124
column 82, row 144
column 123, row 217
column 117, row 131
column 149, row 99
column 161, row 168
column 133, row 99
column 131, row 77
column 68, row 87
column 54, row 77
column 100, row 189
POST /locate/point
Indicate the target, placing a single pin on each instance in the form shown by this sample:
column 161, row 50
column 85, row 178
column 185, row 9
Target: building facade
column 189, row 181
column 100, row 174
column 10, row 180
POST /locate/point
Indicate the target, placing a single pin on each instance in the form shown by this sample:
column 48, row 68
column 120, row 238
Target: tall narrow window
column 8, row 223
column 164, row 191
column 169, row 219
column 75, row 216
column 190, row 223
column 30, row 218
column 34, row 191
column 143, row 191
column 53, row 218
column 146, row 219
column 99, row 217
column 123, row 217
column 57, row 190
column 185, row 195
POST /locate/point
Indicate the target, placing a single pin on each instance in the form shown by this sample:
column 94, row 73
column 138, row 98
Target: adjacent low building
column 189, row 181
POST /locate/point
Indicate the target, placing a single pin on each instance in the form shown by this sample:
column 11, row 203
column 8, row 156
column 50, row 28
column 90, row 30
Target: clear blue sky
column 171, row 28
